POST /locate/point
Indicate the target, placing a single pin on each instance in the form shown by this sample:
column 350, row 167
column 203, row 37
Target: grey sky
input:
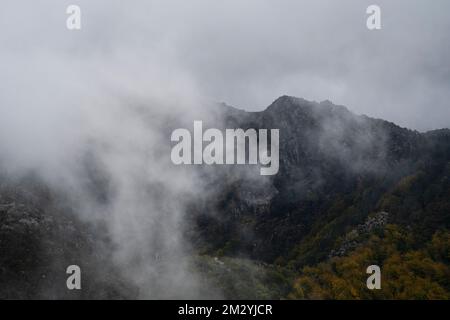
column 245, row 53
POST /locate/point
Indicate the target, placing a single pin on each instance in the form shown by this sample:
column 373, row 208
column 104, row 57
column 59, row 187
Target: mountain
column 351, row 191
column 331, row 161
column 338, row 170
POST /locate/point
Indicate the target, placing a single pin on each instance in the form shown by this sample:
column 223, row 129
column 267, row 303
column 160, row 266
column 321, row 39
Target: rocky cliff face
column 39, row 236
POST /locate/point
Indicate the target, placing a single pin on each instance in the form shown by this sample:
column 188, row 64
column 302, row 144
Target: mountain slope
column 351, row 191
column 336, row 169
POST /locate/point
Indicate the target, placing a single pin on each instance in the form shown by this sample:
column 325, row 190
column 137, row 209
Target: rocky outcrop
column 353, row 238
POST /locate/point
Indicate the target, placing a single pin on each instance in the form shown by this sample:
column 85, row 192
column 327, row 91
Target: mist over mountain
column 141, row 227
column 327, row 154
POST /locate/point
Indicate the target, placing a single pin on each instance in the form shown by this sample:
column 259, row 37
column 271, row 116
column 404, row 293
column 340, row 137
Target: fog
column 106, row 88
column 247, row 53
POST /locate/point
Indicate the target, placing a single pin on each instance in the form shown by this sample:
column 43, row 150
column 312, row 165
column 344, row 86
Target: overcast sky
column 242, row 52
